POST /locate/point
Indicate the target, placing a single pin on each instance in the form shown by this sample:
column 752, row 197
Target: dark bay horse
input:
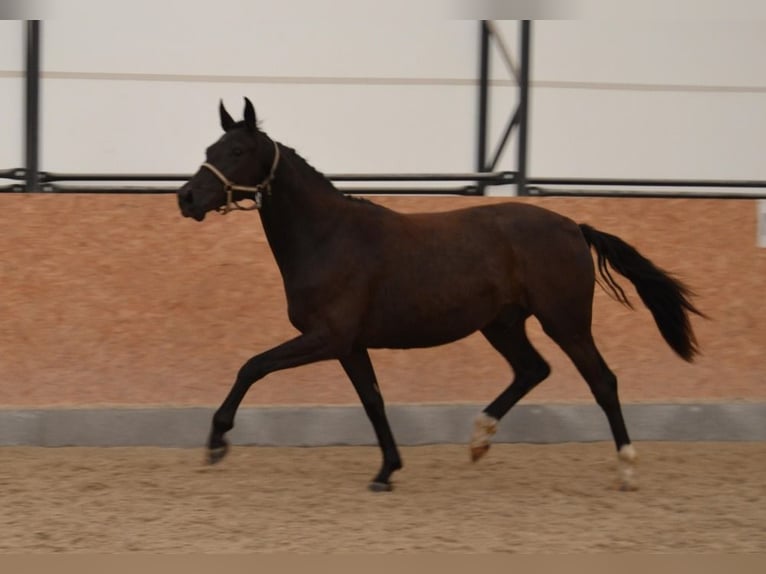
column 360, row 276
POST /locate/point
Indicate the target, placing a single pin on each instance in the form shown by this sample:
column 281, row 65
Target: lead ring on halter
column 229, row 186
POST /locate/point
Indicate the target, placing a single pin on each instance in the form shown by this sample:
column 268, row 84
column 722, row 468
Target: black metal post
column 481, row 141
column 526, row 32
column 32, row 102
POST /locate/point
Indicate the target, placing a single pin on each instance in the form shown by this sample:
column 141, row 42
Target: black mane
column 296, row 156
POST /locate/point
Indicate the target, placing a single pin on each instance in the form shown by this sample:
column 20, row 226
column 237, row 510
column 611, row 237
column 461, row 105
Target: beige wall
column 118, row 300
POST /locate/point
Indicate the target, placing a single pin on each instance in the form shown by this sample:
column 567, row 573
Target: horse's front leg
column 302, row 350
column 359, row 369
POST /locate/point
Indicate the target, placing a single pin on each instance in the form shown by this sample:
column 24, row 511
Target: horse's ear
column 250, row 120
column 226, row 120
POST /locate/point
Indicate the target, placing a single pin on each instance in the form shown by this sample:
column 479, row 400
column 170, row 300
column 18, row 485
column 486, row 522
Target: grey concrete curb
column 348, row 425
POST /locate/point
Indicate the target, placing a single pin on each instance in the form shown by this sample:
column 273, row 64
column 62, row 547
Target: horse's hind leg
column 508, row 336
column 603, row 384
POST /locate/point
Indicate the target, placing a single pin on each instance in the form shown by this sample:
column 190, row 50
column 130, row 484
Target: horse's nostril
column 185, row 201
column 185, row 196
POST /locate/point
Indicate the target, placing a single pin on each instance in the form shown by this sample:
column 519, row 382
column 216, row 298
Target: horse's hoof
column 216, row 454
column 380, row 487
column 627, row 487
column 478, row 451
column 484, row 427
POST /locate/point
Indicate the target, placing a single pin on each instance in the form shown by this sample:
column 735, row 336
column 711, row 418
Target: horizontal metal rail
column 51, row 182
column 633, row 194
column 164, row 190
column 498, row 177
column 19, row 174
column 702, row 188
column 628, row 182
column 88, row 183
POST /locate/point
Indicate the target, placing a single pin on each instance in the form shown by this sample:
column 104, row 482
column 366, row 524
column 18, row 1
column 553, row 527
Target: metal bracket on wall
column 18, row 174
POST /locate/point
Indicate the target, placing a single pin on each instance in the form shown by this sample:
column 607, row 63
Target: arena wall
column 117, row 300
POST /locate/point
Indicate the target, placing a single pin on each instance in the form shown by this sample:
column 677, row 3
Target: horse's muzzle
column 186, row 204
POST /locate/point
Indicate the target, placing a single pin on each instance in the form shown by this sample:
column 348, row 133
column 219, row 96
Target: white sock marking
column 483, row 428
column 626, row 466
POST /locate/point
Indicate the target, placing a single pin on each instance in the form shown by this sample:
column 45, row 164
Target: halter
column 229, row 186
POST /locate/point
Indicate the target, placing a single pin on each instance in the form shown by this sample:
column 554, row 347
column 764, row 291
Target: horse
column 359, row 276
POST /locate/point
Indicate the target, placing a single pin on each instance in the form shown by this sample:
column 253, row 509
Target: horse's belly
column 415, row 338
column 404, row 325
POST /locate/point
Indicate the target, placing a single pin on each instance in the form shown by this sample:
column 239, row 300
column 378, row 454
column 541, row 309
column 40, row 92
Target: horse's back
column 528, row 234
column 441, row 276
column 512, row 217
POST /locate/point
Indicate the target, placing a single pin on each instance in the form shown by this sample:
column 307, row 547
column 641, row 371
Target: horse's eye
column 237, row 151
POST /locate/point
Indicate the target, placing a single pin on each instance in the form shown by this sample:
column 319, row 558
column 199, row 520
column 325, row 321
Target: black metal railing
column 631, row 188
column 51, row 182
column 474, row 184
column 31, row 179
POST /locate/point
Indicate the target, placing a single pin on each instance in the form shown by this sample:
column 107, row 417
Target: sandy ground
column 695, row 497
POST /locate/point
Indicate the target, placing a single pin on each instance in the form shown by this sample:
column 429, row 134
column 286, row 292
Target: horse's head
column 240, row 165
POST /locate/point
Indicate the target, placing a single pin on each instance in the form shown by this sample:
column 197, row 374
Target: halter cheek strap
column 229, row 187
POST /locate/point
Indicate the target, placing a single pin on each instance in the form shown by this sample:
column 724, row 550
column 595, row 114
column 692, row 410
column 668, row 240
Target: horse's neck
column 303, row 211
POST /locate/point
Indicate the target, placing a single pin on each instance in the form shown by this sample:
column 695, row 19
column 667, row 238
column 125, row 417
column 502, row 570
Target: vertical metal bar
column 32, row 102
column 526, row 34
column 481, row 143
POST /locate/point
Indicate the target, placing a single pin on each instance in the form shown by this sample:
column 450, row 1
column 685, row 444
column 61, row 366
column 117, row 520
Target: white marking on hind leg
column 626, row 467
column 483, row 428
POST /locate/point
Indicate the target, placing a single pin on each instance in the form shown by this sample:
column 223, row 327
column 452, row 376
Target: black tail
column 666, row 297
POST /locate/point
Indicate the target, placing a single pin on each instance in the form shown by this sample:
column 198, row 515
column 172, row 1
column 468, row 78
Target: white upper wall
column 377, row 96
column 610, row 98
column 11, row 95
column 11, row 46
column 724, row 53
column 649, row 99
column 303, row 48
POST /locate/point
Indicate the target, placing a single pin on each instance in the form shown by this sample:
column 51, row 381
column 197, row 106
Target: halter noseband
column 229, row 187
